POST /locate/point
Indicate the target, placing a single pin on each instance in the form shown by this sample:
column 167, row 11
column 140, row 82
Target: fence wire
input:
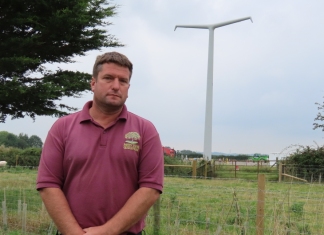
column 212, row 206
column 187, row 206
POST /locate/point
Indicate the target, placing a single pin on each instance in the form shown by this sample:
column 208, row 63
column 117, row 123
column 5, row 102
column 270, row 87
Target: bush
column 20, row 157
column 306, row 162
column 307, row 156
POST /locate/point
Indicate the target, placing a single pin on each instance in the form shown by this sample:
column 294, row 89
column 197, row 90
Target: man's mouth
column 115, row 95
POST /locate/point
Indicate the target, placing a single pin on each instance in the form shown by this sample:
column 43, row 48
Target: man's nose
column 116, row 83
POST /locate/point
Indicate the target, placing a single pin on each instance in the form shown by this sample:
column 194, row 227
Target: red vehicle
column 168, row 151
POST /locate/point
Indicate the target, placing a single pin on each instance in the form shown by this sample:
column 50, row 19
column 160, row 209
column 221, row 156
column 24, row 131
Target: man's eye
column 108, row 78
column 124, row 81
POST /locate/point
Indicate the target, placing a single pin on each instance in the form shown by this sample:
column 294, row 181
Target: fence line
column 274, row 170
column 233, row 209
column 188, row 206
column 232, row 169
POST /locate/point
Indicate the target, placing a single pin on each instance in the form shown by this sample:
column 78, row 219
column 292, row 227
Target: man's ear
column 92, row 83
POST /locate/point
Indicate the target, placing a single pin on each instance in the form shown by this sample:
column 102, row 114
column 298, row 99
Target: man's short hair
column 112, row 57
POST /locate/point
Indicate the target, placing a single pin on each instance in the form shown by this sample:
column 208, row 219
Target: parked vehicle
column 259, row 157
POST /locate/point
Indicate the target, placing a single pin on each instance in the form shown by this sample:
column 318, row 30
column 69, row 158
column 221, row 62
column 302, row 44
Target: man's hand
column 98, row 230
column 135, row 208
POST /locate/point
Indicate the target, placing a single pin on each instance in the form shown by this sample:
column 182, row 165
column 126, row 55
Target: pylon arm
column 213, row 26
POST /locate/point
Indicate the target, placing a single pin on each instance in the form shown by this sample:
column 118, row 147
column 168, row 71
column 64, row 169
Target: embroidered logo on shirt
column 131, row 141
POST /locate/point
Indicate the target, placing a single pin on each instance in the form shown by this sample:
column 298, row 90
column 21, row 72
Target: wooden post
column 277, row 163
column 4, row 215
column 157, row 216
column 206, row 169
column 260, row 206
column 24, row 219
column 293, row 177
column 280, row 172
column 194, row 168
column 19, row 208
column 258, row 167
column 214, row 168
column 235, row 169
column 4, row 210
column 320, row 178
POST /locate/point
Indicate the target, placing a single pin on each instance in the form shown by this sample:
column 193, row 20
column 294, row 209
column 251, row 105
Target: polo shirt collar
column 85, row 114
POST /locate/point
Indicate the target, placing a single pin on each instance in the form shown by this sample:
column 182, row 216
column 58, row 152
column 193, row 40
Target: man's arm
column 133, row 210
column 59, row 210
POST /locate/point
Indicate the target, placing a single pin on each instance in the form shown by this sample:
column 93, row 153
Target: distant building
column 168, row 151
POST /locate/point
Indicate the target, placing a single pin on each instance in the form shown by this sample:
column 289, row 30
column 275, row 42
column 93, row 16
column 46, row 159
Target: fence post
column 4, row 215
column 320, row 178
column 194, row 169
column 156, row 225
column 24, row 219
column 280, row 171
column 260, row 206
column 4, row 210
column 235, row 169
column 213, row 168
column 19, row 208
column 206, row 169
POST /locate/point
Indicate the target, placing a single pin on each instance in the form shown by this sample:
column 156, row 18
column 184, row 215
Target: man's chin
column 114, row 106
column 109, row 105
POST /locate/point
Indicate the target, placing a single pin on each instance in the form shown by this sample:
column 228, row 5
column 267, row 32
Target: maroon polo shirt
column 99, row 169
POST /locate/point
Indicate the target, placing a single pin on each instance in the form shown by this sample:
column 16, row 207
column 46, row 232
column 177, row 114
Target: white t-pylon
column 209, row 94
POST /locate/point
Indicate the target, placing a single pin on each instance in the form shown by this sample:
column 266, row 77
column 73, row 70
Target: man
column 101, row 169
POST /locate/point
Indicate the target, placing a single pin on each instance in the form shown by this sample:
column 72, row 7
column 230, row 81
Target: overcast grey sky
column 267, row 74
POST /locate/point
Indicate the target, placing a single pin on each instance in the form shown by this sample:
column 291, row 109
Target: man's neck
column 103, row 117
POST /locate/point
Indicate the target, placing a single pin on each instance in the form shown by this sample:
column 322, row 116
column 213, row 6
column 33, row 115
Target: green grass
column 190, row 206
column 199, row 206
column 246, row 172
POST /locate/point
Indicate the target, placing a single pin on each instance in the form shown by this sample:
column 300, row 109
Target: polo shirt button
column 104, row 132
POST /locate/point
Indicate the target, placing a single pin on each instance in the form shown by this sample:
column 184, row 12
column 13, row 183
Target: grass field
column 191, row 206
column 187, row 206
column 230, row 170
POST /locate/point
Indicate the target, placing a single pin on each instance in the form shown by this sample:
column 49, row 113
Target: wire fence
column 187, row 206
column 211, row 206
column 310, row 173
column 225, row 169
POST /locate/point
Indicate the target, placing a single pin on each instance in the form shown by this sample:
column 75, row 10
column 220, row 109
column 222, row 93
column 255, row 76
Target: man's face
column 111, row 86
